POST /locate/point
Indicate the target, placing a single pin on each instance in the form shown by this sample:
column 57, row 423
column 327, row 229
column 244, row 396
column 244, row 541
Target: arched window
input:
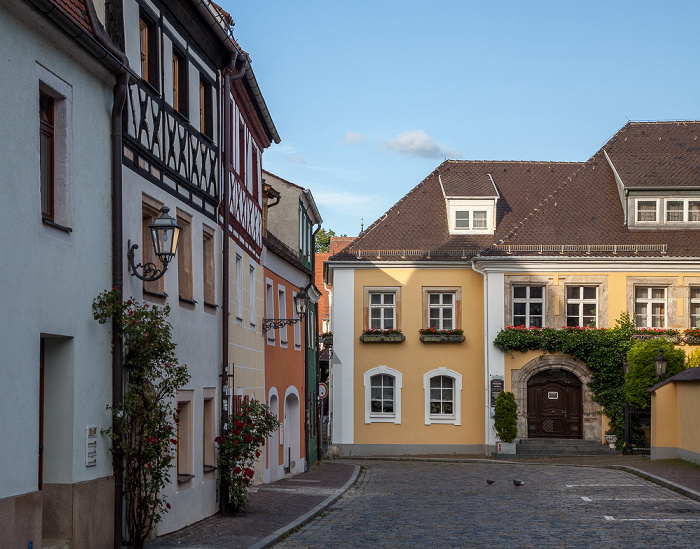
column 443, row 396
column 382, row 395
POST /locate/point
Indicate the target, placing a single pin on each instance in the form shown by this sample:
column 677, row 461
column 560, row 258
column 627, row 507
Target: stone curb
column 277, row 534
column 687, row 492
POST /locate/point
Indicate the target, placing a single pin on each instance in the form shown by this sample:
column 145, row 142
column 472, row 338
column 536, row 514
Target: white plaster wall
column 495, row 300
column 283, row 219
column 342, row 384
column 197, row 333
column 48, row 281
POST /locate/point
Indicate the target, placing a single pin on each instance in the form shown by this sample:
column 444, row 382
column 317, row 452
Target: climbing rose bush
column 239, row 447
column 143, row 429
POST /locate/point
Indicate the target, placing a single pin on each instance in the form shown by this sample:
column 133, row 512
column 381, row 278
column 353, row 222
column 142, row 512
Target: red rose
column 168, row 506
column 257, row 454
column 148, row 464
column 249, row 472
column 237, row 470
column 247, row 439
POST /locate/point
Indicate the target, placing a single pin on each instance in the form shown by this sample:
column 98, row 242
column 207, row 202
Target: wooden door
column 554, row 407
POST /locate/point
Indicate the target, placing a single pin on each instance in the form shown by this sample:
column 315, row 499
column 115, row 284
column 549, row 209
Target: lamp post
column 301, row 302
column 165, row 233
column 660, row 364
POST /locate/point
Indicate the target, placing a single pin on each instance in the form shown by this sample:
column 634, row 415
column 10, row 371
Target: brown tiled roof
column 657, row 154
column 573, row 206
column 419, row 220
column 471, row 185
column 75, row 9
column 339, row 242
column 689, row 374
column 587, row 208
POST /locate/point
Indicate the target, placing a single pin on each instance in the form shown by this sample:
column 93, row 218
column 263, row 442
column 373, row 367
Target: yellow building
column 479, row 246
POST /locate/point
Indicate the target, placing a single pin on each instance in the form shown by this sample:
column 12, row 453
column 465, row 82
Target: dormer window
column 647, row 211
column 667, row 212
column 471, row 216
column 679, row 211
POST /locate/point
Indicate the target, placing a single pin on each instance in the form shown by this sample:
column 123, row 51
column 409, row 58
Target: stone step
column 55, row 544
column 561, row 447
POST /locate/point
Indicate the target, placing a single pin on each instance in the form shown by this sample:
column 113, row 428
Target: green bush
column 641, row 374
column 693, row 359
column 505, row 417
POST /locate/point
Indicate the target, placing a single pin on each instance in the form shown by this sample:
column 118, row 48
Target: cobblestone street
column 421, row 504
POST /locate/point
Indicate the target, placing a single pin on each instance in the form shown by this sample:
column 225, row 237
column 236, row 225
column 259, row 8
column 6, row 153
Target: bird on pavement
column 518, row 482
column 489, row 481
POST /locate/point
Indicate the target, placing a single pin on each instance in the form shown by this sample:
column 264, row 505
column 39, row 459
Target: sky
column 369, row 97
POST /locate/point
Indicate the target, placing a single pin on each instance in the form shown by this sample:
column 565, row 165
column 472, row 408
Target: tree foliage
column 505, row 416
column 323, row 239
column 641, row 374
column 142, row 429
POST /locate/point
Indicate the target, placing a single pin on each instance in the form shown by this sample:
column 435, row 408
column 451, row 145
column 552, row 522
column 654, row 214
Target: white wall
column 342, row 382
column 48, row 278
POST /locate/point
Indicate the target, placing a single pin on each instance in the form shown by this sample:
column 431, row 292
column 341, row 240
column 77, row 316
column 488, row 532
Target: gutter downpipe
column 225, row 271
column 487, row 395
column 307, row 426
column 123, row 76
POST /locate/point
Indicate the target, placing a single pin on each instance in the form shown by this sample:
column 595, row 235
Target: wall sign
column 497, row 385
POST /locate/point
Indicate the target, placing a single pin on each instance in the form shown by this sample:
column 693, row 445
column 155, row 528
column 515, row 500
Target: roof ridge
column 514, row 161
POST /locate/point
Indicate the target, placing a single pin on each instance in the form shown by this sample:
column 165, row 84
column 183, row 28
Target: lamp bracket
column 151, row 271
column 275, row 323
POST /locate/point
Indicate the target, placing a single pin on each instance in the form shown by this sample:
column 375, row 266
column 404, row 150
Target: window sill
column 150, row 293
column 187, row 300
column 50, row 223
column 442, row 338
column 211, row 305
column 209, row 468
column 382, row 338
column 184, row 478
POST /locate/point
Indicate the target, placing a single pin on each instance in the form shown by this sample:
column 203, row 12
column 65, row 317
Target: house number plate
column 552, row 395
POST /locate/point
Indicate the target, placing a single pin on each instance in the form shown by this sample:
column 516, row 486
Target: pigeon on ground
column 518, row 482
column 489, row 481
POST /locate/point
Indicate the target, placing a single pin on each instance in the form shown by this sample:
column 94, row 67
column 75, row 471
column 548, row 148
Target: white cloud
column 419, row 143
column 341, row 199
column 297, row 160
column 352, row 138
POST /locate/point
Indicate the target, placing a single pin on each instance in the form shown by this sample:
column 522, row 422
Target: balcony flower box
column 692, row 336
column 433, row 335
column 382, row 336
column 647, row 334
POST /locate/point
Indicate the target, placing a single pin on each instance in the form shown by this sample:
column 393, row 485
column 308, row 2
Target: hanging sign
column 322, row 390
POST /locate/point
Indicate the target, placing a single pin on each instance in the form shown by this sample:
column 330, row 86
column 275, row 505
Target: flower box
column 382, row 338
column 442, row 338
column 673, row 338
column 692, row 340
column 506, row 447
column 611, row 440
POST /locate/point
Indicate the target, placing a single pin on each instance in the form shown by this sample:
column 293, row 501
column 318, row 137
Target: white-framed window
column 647, row 210
column 475, row 216
column 682, row 210
column 383, row 395
column 695, row 307
column 382, row 310
column 269, row 309
column 251, row 293
column 443, row 396
column 528, row 306
column 441, row 310
column 582, row 306
column 239, row 287
column 282, row 308
column 471, row 219
column 650, row 307
column 54, row 104
column 297, row 331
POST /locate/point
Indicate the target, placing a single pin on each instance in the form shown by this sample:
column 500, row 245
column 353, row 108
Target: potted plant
column 434, row 335
column 379, row 335
column 505, row 420
column 610, row 438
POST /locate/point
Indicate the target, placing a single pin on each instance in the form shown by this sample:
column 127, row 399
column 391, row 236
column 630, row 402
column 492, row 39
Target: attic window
column 473, row 216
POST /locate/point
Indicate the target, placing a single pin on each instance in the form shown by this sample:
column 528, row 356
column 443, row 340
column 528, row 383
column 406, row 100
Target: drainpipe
column 225, row 271
column 307, row 427
column 123, row 77
column 487, row 431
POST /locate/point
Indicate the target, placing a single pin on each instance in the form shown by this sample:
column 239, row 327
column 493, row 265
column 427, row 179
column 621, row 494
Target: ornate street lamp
column 301, row 301
column 660, row 364
column 165, row 233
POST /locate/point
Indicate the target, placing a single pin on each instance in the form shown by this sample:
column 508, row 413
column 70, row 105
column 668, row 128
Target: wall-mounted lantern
column 165, row 233
column 301, row 302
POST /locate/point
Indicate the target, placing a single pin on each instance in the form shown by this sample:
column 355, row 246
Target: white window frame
column 270, row 307
column 686, row 212
column 441, row 307
column 251, row 294
column 398, row 384
column 581, row 302
column 470, row 206
column 239, row 286
column 382, row 306
column 649, row 301
column 528, row 300
column 456, row 417
column 637, row 202
column 694, row 301
column 62, row 94
column 282, row 308
column 297, row 330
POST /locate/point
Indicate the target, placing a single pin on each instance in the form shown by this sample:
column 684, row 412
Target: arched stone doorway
column 560, row 366
column 554, row 405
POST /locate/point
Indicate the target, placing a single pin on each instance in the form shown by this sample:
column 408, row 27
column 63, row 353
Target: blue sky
column 368, row 96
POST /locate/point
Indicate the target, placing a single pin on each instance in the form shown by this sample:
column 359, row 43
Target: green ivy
column 602, row 349
column 641, row 374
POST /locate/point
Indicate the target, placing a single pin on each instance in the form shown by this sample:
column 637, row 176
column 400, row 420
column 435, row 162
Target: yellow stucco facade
column 675, row 421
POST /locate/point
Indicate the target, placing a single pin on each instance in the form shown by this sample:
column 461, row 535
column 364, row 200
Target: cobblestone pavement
column 438, row 504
